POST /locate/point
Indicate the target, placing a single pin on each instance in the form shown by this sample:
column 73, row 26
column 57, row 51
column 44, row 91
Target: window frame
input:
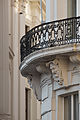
column 60, row 105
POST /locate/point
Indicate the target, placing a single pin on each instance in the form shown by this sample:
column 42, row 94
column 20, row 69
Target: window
column 27, row 28
column 67, row 108
column 76, row 107
column 71, row 107
column 27, row 104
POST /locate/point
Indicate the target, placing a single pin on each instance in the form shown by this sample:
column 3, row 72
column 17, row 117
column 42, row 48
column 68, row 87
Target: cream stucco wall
column 61, row 9
column 12, row 85
column 4, row 58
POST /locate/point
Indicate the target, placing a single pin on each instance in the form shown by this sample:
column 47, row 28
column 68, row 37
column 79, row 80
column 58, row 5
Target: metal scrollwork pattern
column 56, row 33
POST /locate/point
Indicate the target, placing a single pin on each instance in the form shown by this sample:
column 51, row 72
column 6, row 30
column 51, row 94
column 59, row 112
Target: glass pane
column 76, row 107
column 67, row 108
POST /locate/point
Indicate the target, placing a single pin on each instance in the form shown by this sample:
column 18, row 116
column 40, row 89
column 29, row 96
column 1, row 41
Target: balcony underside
column 28, row 66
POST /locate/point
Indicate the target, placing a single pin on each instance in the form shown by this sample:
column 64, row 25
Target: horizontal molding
column 5, row 117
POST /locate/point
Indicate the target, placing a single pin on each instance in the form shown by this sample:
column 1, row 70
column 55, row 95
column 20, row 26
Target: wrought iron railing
column 56, row 33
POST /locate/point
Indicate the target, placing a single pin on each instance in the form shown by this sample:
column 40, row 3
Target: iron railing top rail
column 46, row 23
column 50, row 34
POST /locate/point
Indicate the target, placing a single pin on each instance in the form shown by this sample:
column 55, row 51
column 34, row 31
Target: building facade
column 17, row 100
column 50, row 59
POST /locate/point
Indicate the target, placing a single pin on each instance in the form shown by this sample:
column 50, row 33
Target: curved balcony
column 51, row 34
column 46, row 44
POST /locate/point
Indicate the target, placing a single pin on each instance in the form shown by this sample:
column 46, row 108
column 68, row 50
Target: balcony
column 46, row 52
column 51, row 34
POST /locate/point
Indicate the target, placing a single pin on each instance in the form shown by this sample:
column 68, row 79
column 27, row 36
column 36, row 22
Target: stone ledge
column 5, row 117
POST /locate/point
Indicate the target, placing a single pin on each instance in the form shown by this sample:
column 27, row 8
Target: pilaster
column 4, row 59
column 79, row 105
column 53, row 105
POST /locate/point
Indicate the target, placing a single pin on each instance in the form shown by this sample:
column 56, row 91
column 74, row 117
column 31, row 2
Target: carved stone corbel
column 75, row 58
column 58, row 69
column 34, row 82
column 45, row 74
column 35, row 79
column 42, row 69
